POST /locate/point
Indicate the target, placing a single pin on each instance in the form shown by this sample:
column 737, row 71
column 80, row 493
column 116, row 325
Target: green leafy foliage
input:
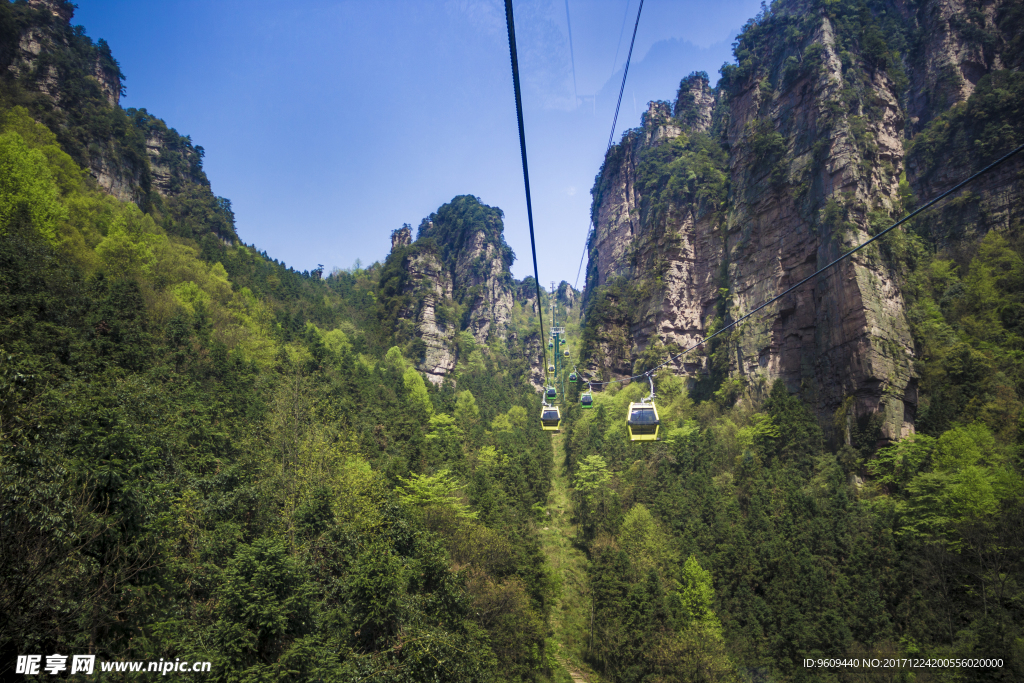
column 435, row 491
column 28, row 193
column 689, row 169
column 205, row 454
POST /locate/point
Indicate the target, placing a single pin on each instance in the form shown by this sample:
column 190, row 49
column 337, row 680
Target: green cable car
column 551, row 394
column 572, row 377
column 642, row 418
column 587, row 401
column 550, row 418
column 551, row 345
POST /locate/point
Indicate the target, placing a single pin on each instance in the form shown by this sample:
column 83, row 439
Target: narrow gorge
column 210, row 458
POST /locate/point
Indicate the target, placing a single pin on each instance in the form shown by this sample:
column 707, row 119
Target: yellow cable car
column 642, row 419
column 550, row 418
column 643, row 422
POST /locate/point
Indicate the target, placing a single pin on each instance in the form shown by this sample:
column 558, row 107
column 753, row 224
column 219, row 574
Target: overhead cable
column 572, row 57
column 582, row 256
column 625, row 73
column 615, row 121
column 526, row 171
column 618, row 45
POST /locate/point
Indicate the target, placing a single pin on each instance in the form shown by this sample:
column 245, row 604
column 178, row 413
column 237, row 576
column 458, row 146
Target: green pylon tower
column 557, row 339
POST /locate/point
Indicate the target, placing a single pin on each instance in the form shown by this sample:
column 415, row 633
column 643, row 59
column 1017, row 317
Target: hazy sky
column 329, row 124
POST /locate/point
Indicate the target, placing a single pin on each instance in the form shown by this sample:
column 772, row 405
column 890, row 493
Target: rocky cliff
column 427, row 287
column 73, row 86
column 728, row 196
column 453, row 278
column 450, row 290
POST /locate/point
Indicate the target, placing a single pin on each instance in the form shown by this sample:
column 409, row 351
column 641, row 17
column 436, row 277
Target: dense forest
column 210, row 456
column 206, row 455
column 200, row 462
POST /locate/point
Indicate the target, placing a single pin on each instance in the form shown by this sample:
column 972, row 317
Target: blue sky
column 330, row 124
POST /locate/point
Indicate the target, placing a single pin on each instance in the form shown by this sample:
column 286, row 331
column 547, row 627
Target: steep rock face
column 401, row 237
column 812, row 125
column 533, row 351
column 568, row 298
column 974, row 134
column 669, row 254
column 132, row 155
column 695, row 103
column 963, row 41
column 847, row 331
column 525, row 293
column 34, row 42
column 454, row 277
column 119, row 179
column 469, row 236
column 45, row 35
column 431, row 287
column 59, row 8
column 482, row 273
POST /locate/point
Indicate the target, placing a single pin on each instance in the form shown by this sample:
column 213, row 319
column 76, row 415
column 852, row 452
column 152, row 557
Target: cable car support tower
column 555, row 343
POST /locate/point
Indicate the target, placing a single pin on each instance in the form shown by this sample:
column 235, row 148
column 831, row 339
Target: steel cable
column 526, row 171
column 615, row 121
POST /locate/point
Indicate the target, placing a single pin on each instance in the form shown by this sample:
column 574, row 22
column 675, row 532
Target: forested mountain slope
column 209, row 456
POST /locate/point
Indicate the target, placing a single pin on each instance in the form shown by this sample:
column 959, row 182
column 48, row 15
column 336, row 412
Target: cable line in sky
column 526, row 172
column 625, row 72
column 572, row 57
column 615, row 119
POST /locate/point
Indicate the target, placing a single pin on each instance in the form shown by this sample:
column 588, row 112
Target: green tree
column 467, row 416
column 644, row 542
column 444, row 441
column 28, row 194
column 127, row 250
column 693, row 604
column 263, row 607
column 440, row 491
column 419, row 397
column 592, row 494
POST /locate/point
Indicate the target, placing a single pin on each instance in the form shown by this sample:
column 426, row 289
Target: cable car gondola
column 642, row 419
column 551, row 345
column 551, row 394
column 550, row 418
column 551, row 368
column 566, row 354
column 572, row 377
column 587, row 399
